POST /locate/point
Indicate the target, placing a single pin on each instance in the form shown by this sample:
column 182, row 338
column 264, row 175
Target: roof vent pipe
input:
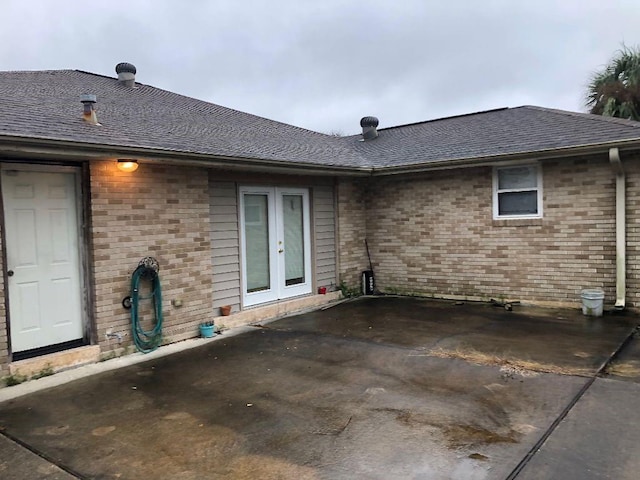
column 369, row 127
column 126, row 74
column 89, row 111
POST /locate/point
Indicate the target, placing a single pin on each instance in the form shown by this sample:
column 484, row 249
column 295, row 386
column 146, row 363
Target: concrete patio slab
column 16, row 462
column 348, row 392
column 599, row 438
column 556, row 340
column 627, row 365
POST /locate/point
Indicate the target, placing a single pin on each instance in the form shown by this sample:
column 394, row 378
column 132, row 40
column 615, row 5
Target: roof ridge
column 587, row 116
column 51, row 70
column 491, row 110
column 461, row 115
column 97, row 74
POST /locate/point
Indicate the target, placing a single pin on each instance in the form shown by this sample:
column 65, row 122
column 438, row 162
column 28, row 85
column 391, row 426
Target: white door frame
column 6, row 167
column 271, row 293
column 278, row 289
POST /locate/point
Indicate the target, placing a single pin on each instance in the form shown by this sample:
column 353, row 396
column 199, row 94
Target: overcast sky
column 325, row 64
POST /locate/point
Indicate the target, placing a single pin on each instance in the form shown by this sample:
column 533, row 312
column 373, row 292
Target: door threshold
column 267, row 312
column 55, row 362
column 46, row 350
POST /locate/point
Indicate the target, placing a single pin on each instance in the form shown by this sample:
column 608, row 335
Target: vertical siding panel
column 324, row 217
column 225, row 244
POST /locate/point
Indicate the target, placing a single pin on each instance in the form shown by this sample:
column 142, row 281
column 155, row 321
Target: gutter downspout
column 621, row 255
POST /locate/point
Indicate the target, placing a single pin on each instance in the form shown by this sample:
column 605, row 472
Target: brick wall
column 156, row 211
column 435, row 235
column 352, row 230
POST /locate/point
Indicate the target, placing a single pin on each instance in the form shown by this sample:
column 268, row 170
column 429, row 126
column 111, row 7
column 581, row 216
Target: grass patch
column 108, row 356
column 508, row 365
column 45, row 372
column 17, row 379
column 348, row 291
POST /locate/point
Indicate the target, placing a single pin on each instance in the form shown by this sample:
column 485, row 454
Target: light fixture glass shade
column 127, row 165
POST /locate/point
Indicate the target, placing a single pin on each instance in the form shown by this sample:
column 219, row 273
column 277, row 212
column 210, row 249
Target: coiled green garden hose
column 146, row 340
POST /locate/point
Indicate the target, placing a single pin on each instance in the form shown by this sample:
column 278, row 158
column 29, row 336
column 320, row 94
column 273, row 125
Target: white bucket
column 592, row 302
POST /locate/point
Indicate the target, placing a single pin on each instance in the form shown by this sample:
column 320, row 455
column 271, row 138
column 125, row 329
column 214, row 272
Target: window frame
column 496, row 191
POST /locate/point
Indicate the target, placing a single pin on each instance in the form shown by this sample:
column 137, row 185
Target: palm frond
column 615, row 90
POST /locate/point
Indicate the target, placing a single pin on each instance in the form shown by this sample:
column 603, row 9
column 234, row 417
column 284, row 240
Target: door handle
column 10, row 273
column 280, row 251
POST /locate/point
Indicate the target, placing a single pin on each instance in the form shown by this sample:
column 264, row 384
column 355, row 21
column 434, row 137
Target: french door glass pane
column 293, row 219
column 256, row 221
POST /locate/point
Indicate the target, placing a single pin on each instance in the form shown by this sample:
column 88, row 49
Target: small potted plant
column 207, row 329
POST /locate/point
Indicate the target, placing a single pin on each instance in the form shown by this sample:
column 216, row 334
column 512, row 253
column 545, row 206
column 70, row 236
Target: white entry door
column 276, row 245
column 45, row 306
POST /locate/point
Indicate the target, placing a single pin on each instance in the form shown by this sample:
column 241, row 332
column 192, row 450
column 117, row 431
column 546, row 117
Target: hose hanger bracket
column 149, row 267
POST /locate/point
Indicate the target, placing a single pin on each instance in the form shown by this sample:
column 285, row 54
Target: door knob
column 10, row 273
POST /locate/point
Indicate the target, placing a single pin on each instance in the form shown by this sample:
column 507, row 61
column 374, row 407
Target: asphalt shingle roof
column 495, row 132
column 46, row 105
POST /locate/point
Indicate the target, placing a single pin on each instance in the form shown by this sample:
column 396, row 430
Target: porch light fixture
column 127, row 165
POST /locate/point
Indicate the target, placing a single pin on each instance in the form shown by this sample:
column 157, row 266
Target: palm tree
column 615, row 90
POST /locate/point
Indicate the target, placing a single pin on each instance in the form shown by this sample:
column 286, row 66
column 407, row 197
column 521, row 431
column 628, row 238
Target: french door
column 276, row 245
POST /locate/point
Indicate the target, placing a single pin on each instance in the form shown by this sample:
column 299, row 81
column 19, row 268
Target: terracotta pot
column 225, row 310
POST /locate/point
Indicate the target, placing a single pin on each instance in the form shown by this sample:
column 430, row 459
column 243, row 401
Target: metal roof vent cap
column 369, row 127
column 89, row 112
column 126, row 74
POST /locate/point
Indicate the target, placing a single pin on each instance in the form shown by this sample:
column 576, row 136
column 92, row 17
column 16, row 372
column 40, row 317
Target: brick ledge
column 57, row 361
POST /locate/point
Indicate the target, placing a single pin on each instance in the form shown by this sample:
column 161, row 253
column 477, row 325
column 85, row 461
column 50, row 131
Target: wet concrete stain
column 550, row 337
column 478, row 456
column 321, row 395
column 472, row 435
column 102, row 431
column 626, row 366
